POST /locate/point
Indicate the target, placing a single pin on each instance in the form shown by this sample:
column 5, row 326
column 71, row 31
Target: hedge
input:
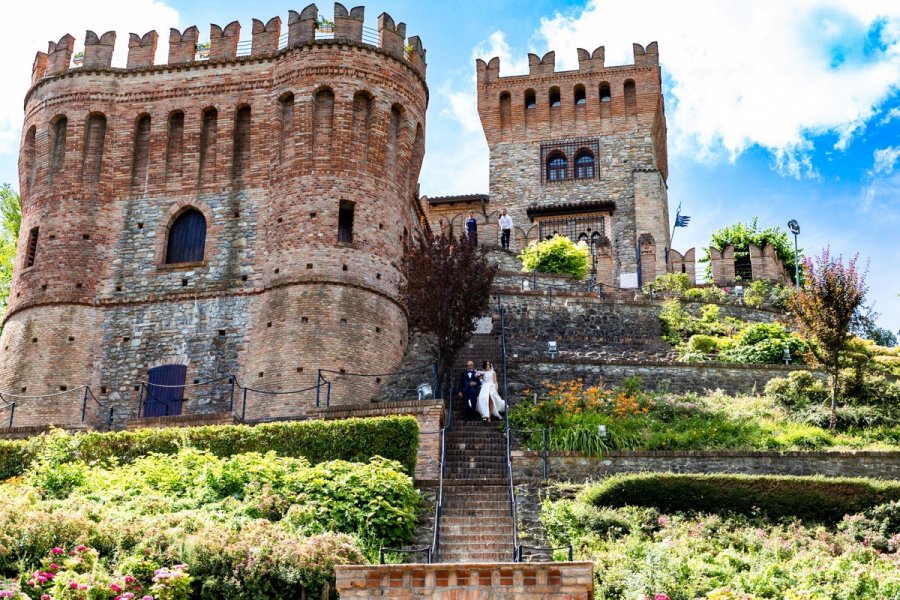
column 354, row 440
column 817, row 499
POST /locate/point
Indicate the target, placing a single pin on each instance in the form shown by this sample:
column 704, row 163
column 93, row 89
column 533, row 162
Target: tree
column 825, row 308
column 741, row 235
column 447, row 287
column 10, row 222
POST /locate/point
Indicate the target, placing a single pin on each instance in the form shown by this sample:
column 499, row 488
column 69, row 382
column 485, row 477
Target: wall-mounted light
column 425, row 391
column 786, row 356
column 601, row 431
column 552, row 350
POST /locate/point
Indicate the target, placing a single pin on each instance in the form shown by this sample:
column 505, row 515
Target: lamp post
column 794, row 226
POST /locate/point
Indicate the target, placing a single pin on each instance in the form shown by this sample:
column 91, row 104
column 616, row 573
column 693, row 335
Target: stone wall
column 553, row 581
column 675, row 377
column 269, row 148
column 574, row 467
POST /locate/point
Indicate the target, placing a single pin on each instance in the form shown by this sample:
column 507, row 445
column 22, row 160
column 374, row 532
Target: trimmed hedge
column 354, row 440
column 816, row 499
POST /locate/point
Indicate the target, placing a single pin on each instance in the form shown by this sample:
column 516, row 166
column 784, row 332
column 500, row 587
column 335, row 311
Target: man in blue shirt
column 472, row 229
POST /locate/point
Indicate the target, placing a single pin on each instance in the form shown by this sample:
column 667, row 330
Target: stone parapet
column 504, row 581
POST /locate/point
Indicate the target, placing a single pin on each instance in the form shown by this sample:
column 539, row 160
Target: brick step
column 497, row 520
column 465, row 486
column 463, row 545
column 475, row 504
column 504, row 537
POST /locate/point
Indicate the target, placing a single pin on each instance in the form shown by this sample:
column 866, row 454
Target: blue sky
column 776, row 109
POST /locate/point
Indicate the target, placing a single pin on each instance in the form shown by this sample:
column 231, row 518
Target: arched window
column 58, row 129
column 555, row 98
column 530, row 99
column 208, row 135
column 584, row 165
column 187, row 238
column 286, row 123
column 556, row 167
column 605, row 95
column 580, row 95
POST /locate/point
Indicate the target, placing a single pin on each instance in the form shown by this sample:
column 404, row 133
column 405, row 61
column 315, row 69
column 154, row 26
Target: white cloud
column 744, row 75
column 50, row 21
column 892, row 114
column 885, row 159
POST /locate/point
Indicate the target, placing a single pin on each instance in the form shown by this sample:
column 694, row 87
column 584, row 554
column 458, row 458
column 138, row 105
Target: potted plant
column 202, row 51
column 78, row 59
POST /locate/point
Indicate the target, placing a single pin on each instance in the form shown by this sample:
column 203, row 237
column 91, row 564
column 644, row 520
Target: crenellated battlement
column 588, row 63
column 225, row 43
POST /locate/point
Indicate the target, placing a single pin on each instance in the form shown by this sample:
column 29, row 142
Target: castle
column 243, row 212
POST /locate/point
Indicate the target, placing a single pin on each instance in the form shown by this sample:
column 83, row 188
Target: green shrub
column 675, row 283
column 757, row 293
column 765, row 343
column 808, row 498
column 704, row 344
column 14, row 456
column 354, row 440
column 558, row 255
column 798, row 389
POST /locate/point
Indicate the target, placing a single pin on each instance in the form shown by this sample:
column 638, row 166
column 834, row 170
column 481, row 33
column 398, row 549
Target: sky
column 776, row 109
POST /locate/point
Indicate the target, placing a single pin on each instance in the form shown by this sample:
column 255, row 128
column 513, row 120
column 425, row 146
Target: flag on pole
column 682, row 220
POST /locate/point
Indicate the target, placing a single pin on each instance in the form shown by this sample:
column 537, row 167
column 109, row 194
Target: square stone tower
column 583, row 153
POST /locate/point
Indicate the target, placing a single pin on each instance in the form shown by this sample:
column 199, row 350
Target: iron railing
column 520, row 548
column 389, row 385
column 423, row 550
column 149, row 395
column 107, row 409
column 11, row 407
column 12, row 401
column 247, row 395
column 370, row 37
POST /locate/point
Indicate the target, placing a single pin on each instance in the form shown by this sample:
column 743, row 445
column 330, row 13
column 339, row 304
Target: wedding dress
column 489, row 392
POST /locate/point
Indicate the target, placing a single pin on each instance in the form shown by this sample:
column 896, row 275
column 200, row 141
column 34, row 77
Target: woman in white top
column 489, row 402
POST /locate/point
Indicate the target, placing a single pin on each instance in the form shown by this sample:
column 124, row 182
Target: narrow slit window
column 175, row 145
column 630, row 98
column 208, row 134
column 345, row 222
column 362, row 124
column 32, row 246
column 58, row 132
column 29, row 158
column 94, row 138
column 242, row 144
column 505, row 110
column 286, row 114
column 140, row 161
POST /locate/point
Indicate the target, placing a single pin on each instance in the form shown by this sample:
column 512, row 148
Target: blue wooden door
column 165, row 390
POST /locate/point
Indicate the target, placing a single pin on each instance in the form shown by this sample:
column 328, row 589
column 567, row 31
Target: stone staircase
column 476, row 525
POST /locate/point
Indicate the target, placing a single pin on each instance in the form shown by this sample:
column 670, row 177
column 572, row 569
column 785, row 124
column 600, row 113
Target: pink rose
column 661, row 596
column 57, row 551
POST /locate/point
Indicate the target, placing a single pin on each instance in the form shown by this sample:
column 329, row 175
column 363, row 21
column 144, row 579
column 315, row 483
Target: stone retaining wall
column 656, row 375
column 572, row 466
column 553, row 581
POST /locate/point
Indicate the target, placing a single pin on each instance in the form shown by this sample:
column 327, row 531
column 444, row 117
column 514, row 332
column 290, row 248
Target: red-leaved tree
column 825, row 308
column 447, row 287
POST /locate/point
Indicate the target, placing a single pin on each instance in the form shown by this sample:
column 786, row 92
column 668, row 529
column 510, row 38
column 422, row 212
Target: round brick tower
column 242, row 213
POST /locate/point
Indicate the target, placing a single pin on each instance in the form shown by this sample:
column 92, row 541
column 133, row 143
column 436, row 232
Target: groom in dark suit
column 469, row 386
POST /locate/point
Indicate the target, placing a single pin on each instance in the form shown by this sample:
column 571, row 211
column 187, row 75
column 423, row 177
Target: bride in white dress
column 489, row 402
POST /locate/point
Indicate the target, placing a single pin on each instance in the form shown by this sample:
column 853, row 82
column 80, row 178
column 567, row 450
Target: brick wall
column 553, row 581
column 276, row 296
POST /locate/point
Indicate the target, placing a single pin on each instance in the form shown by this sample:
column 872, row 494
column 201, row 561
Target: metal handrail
column 439, row 506
column 520, row 547
column 12, row 410
column 513, row 511
column 49, row 395
column 244, row 391
column 88, row 392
